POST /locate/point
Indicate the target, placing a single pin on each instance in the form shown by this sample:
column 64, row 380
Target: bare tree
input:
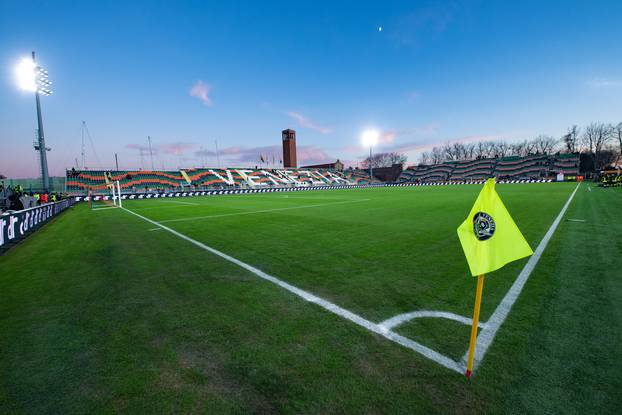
column 480, row 150
column 545, row 144
column 448, row 151
column 384, row 160
column 519, row 149
column 436, row 155
column 571, row 139
column 490, row 148
column 617, row 134
column 530, row 148
column 502, row 149
column 424, row 158
column 594, row 140
column 469, row 151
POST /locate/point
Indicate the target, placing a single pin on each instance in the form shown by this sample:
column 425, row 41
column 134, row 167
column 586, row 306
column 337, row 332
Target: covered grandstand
column 81, row 181
column 506, row 168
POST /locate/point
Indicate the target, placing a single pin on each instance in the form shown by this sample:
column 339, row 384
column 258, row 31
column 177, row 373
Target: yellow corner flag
column 490, row 239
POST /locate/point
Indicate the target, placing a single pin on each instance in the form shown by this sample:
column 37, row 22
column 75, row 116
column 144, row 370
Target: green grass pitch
column 103, row 312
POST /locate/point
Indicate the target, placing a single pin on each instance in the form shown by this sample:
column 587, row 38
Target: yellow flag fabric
column 489, row 237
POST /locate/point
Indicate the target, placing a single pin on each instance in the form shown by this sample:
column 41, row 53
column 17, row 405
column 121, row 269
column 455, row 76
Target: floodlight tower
column 370, row 138
column 32, row 77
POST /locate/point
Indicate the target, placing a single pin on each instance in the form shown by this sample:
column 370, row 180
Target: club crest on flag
column 483, row 226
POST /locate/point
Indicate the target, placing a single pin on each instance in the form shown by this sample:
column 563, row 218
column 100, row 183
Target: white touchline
column 487, row 335
column 327, row 305
column 263, row 211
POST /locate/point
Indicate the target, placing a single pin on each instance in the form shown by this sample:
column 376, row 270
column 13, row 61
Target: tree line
column 384, row 160
column 601, row 141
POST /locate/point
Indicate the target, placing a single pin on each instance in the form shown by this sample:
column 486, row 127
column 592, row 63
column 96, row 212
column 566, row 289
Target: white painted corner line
column 253, row 212
column 487, row 335
column 406, row 317
column 154, row 229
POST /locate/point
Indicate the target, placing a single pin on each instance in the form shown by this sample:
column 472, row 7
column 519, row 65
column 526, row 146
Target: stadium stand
column 531, row 167
column 203, row 178
column 473, row 170
column 567, row 164
column 436, row 172
column 359, row 177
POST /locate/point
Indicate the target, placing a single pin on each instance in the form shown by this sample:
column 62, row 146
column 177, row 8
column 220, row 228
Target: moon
column 380, row 28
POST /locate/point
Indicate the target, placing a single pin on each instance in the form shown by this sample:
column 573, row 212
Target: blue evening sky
column 188, row 73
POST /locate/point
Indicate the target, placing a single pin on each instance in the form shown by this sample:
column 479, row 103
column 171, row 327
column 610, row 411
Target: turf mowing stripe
column 263, row 211
column 327, row 305
column 181, row 203
column 487, row 335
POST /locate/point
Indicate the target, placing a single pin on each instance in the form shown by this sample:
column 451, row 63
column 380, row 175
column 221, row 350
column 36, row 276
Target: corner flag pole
column 478, row 302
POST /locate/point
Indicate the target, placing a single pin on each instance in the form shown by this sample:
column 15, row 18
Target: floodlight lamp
column 370, row 138
column 26, row 76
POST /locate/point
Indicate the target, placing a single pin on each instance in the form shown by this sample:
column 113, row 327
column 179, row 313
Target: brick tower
column 289, row 148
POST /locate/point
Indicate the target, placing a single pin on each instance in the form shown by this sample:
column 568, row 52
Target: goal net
column 110, row 198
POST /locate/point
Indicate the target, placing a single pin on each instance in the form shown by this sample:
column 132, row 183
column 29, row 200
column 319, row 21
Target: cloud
column 142, row 149
column 426, row 145
column 239, row 156
column 201, row 91
column 605, row 83
column 177, row 148
column 307, row 123
column 389, row 136
column 313, row 155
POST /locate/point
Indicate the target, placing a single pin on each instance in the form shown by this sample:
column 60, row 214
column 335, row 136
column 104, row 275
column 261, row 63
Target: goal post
column 111, row 198
column 119, row 199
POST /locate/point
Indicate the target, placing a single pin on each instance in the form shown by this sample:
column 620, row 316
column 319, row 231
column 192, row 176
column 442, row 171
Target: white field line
column 104, row 208
column 487, row 335
column 403, row 318
column 154, row 229
column 263, row 211
column 327, row 305
column 575, row 220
